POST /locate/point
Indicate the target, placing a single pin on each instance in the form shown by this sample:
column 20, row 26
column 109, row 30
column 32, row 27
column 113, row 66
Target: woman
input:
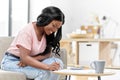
column 30, row 50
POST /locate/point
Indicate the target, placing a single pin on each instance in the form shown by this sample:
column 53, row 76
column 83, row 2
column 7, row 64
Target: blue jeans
column 9, row 63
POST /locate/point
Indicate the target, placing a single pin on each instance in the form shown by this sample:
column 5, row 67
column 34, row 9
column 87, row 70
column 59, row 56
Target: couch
column 9, row 75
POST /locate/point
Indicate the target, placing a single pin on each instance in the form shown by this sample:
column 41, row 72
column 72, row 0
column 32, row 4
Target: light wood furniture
column 105, row 46
column 83, row 73
column 113, row 67
column 81, row 35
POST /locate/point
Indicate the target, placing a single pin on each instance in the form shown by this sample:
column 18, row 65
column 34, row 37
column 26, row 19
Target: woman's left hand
column 21, row 64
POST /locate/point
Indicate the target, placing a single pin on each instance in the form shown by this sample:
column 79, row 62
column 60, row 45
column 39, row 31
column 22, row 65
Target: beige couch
column 8, row 75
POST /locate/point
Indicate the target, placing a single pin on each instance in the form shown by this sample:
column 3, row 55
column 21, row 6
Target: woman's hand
column 54, row 66
column 21, row 64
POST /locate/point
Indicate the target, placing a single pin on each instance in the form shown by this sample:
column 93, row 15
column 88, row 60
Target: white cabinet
column 88, row 51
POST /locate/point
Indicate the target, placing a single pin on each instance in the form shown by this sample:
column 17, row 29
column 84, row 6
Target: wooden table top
column 83, row 72
column 113, row 67
column 94, row 40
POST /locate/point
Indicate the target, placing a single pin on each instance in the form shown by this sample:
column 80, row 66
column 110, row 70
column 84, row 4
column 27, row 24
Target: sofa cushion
column 9, row 75
column 4, row 44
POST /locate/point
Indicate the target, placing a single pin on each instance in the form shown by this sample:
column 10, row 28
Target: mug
column 98, row 66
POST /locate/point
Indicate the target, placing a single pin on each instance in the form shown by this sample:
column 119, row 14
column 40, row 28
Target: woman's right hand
column 54, row 66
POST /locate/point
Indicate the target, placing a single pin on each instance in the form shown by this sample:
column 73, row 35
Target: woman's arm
column 41, row 57
column 28, row 60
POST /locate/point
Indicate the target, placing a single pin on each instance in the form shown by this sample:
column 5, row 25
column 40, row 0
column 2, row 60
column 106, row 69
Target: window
column 4, row 17
column 17, row 13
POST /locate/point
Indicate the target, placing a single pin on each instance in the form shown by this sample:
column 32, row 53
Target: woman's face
column 52, row 27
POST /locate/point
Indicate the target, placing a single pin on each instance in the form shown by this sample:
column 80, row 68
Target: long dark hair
column 53, row 40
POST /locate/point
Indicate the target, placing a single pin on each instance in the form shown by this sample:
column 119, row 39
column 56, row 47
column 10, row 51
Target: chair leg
column 30, row 79
column 67, row 77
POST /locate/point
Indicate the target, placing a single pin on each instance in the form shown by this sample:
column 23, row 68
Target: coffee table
column 89, row 72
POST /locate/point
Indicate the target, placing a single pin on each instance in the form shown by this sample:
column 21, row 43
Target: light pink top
column 28, row 39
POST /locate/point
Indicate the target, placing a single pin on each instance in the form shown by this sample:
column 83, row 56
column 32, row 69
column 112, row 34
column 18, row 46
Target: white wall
column 77, row 12
column 36, row 8
column 65, row 6
column 19, row 15
column 82, row 12
column 3, row 18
